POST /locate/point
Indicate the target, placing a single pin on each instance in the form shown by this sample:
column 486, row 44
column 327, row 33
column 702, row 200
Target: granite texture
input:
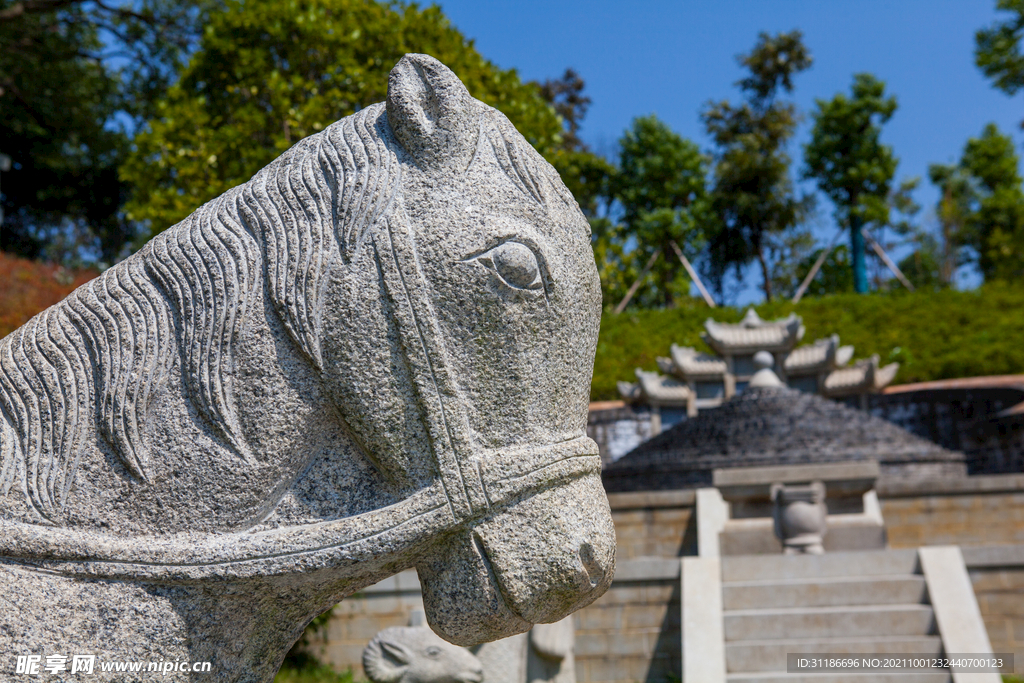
column 413, row 654
column 374, row 355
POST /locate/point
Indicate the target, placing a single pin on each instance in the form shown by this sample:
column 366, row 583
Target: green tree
column 268, row 73
column 995, row 225
column 835, row 275
column 587, row 175
column 753, row 193
column 957, row 192
column 924, row 266
column 997, row 49
column 850, row 164
column 661, row 196
column 566, row 96
column 982, row 207
column 59, row 97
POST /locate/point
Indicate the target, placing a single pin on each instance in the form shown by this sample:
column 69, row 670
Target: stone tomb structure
column 691, row 380
column 314, row 382
column 890, row 513
column 776, row 425
column 792, row 553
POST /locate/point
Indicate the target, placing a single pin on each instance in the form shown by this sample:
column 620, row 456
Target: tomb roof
column 776, row 426
column 823, row 354
column 754, row 334
column 862, row 375
column 692, row 364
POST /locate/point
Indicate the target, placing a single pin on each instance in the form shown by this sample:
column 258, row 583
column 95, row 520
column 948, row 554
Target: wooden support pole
column 886, row 260
column 692, row 273
column 640, row 278
column 815, row 268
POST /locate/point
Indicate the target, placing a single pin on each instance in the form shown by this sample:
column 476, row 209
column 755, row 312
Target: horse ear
column 431, row 113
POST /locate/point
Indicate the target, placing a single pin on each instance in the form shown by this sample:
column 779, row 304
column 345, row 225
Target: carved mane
column 94, row 360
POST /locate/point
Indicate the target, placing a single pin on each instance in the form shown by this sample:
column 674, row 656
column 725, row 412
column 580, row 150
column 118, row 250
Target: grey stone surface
column 414, row 654
column 702, row 620
column 956, row 608
column 374, row 355
column 800, row 517
column 870, row 563
column 776, row 426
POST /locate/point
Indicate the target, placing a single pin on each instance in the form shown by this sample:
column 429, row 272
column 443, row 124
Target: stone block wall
column 631, row 634
column 1000, row 593
column 980, row 510
column 358, row 619
column 654, row 524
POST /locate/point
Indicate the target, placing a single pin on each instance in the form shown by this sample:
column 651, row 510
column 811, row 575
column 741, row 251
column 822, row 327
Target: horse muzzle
column 534, row 559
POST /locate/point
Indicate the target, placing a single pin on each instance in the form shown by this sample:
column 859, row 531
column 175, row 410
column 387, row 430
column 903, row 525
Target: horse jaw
column 536, row 561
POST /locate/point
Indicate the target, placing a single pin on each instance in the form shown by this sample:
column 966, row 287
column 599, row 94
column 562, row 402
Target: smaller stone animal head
column 414, row 654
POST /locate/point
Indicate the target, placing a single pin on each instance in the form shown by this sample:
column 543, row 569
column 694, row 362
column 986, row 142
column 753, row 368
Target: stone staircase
column 853, row 602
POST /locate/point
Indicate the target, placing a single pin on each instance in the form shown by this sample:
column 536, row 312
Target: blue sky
column 670, row 58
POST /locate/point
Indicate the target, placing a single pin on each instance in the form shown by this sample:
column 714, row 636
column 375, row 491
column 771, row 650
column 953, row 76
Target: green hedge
column 932, row 334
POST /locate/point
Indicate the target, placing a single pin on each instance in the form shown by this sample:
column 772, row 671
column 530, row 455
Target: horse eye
column 433, row 651
column 514, row 263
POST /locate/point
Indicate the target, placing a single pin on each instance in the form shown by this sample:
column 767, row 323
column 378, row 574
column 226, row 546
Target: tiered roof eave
column 825, row 359
column 753, row 334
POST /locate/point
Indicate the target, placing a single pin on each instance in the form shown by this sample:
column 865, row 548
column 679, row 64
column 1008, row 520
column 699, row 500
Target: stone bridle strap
column 470, row 483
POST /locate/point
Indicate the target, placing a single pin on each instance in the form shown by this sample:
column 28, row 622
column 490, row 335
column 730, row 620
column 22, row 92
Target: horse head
column 484, row 260
column 375, row 354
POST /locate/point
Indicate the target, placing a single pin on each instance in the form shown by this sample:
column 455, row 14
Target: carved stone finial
column 765, row 377
column 800, row 517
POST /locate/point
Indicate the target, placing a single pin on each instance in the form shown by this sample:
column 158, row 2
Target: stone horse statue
column 374, row 355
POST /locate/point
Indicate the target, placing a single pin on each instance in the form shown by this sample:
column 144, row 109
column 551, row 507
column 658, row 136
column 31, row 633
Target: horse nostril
column 592, row 568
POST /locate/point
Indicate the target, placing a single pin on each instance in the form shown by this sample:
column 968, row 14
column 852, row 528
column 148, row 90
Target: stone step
column 830, row 622
column 938, row 676
column 770, row 655
column 854, row 564
column 875, row 590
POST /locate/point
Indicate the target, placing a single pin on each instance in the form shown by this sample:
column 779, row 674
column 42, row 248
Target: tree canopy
column 268, row 73
column 997, row 49
column 992, row 204
column 753, row 193
column 849, row 162
column 60, row 97
column 661, row 197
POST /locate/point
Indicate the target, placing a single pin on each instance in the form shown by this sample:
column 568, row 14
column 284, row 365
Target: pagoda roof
column 662, row 389
column 776, row 426
column 692, row 364
column 754, row 334
column 823, row 354
column 864, row 375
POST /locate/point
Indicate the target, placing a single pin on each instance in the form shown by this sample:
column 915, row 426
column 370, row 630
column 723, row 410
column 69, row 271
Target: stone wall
column 654, row 524
column 984, row 515
column 1000, row 593
column 979, row 416
column 632, row 633
column 980, row 510
column 358, row 619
